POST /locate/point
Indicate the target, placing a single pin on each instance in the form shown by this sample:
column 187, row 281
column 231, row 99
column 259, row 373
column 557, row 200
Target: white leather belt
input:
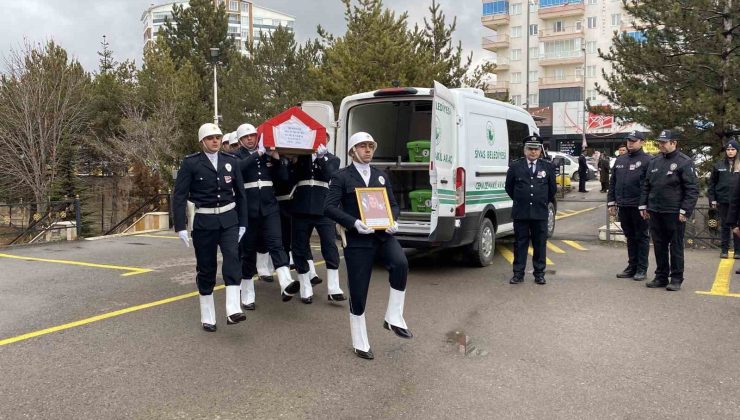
column 215, row 210
column 258, row 184
column 283, row 197
column 312, row 183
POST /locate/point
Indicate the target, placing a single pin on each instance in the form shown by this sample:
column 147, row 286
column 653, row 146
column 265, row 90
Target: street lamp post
column 585, row 106
column 214, row 62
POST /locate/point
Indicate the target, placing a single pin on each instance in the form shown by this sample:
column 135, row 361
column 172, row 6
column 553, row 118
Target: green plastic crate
column 421, row 201
column 419, row 150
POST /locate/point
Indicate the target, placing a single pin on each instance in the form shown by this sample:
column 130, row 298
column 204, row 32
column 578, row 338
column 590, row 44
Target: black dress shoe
column 316, row 280
column 627, row 273
column 516, row 280
column 401, row 332
column 293, row 288
column 368, row 355
column 640, row 276
column 338, row 297
column 673, row 287
column 737, row 256
column 286, row 297
column 249, row 307
column 655, row 283
column 209, row 327
column 235, row 318
column 267, row 279
column 308, row 300
column 724, row 254
column 540, row 280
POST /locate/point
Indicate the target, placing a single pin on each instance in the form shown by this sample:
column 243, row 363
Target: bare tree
column 42, row 105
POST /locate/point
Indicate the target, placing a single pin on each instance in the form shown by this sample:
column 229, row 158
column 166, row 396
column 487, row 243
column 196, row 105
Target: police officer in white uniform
column 211, row 180
column 364, row 244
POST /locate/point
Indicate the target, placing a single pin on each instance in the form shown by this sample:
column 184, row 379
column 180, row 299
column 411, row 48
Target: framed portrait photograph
column 375, row 210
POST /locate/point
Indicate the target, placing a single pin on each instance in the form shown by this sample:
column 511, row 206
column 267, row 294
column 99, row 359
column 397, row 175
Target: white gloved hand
column 242, row 229
column 392, row 229
column 261, row 148
column 183, row 234
column 362, row 228
column 321, row 151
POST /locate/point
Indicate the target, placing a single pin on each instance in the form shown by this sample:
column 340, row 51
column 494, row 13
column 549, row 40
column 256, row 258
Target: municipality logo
column 490, row 135
column 437, row 130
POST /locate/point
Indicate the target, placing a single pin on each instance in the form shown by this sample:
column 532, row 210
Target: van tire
column 551, row 212
column 574, row 177
column 480, row 252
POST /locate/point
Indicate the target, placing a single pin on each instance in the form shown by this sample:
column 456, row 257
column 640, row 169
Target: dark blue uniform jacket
column 531, row 192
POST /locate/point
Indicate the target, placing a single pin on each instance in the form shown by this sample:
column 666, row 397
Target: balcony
column 566, row 81
column 498, row 87
column 560, row 58
column 502, row 64
column 551, row 9
column 495, row 42
column 571, row 32
column 495, row 21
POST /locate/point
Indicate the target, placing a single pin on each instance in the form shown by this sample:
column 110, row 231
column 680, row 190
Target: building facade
column 547, row 60
column 246, row 20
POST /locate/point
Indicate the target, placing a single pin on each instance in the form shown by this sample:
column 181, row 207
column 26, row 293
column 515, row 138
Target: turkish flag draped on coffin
column 292, row 131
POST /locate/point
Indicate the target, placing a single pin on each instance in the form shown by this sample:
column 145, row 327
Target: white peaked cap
column 245, row 130
column 359, row 137
column 208, row 129
column 226, row 139
column 233, row 139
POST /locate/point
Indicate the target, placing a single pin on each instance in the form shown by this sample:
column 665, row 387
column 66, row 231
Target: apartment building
column 547, row 58
column 246, row 20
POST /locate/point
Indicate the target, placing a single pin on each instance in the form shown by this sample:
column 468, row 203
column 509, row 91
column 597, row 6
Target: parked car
column 571, row 165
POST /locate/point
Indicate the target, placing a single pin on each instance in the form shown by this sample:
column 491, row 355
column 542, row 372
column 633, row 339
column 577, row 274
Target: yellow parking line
column 530, row 251
column 132, row 271
column 552, row 247
column 575, row 213
column 721, row 285
column 143, row 235
column 575, row 245
column 506, row 253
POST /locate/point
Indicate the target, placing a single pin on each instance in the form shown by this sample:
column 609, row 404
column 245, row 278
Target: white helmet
column 226, row 139
column 357, row 138
column 208, row 129
column 233, row 139
column 245, row 130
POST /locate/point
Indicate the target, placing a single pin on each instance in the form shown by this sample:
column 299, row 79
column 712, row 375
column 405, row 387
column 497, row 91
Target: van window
column 392, row 124
column 517, row 132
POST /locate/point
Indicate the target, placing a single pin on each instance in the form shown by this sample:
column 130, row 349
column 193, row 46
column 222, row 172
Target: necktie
column 531, row 167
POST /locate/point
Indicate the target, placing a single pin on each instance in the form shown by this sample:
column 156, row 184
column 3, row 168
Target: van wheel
column 550, row 219
column 574, row 177
column 480, row 252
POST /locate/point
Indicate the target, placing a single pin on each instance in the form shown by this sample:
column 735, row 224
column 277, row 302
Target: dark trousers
column 526, row 231
column 582, row 180
column 667, row 233
column 637, row 232
column 264, row 231
column 286, row 229
column 303, row 226
column 604, row 185
column 206, row 244
column 726, row 230
column 360, row 267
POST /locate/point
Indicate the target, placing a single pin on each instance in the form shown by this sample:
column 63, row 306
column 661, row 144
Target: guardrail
column 26, row 223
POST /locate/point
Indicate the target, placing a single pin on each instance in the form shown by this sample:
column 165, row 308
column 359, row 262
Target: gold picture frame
column 375, row 209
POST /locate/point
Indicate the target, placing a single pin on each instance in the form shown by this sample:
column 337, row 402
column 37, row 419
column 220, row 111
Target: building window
column 559, row 74
column 591, row 94
column 562, row 49
column 591, row 22
column 637, row 36
column 592, row 1
column 533, row 29
column 534, row 53
column 616, row 19
column 532, row 100
column 533, row 75
column 234, row 6
column 554, row 3
column 516, row 9
column 516, row 54
column 516, row 31
column 558, row 26
column 591, row 47
column 496, row 8
column 590, row 71
column 516, row 77
column 516, row 100
column 579, row 25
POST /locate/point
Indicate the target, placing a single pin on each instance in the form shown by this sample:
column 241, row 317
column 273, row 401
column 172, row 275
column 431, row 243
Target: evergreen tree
column 681, row 69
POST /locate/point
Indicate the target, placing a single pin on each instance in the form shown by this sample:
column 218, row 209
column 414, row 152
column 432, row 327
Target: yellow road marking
column 144, row 235
column 574, row 213
column 721, row 285
column 530, row 251
column 132, row 271
column 506, row 253
column 575, row 245
column 552, row 247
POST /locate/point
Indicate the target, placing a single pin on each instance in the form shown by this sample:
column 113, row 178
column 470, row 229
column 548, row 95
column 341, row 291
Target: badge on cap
column 674, row 166
column 228, row 167
column 381, row 180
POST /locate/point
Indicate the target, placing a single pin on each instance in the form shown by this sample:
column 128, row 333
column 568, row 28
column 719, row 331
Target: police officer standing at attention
column 720, row 190
column 625, row 188
column 530, row 182
column 258, row 169
column 582, row 171
column 211, row 180
column 364, row 244
column 312, row 174
column 668, row 198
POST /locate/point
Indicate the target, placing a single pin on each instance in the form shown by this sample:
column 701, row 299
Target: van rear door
column 443, row 164
column 323, row 113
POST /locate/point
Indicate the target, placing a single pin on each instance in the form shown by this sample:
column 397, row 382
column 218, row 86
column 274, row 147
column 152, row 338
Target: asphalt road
column 586, row 345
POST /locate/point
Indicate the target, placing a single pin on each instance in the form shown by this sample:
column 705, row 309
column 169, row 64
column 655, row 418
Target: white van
column 466, row 171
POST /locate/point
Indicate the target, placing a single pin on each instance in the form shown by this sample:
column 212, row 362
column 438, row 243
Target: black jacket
column 582, row 165
column 721, row 182
column 341, row 203
column 531, row 192
column 253, row 167
column 628, row 174
column 670, row 185
column 309, row 199
column 604, row 168
column 199, row 182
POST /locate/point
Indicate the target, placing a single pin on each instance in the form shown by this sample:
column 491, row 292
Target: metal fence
column 26, row 223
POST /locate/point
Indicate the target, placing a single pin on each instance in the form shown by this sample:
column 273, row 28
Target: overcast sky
column 78, row 25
